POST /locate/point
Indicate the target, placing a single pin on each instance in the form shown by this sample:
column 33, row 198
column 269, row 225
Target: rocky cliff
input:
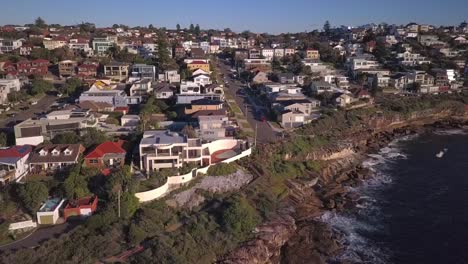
column 295, row 235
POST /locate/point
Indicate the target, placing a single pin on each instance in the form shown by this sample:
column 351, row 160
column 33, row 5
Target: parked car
column 34, row 103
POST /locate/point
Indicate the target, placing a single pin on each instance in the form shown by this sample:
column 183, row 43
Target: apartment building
column 116, row 71
column 164, row 149
column 67, row 68
column 35, row 131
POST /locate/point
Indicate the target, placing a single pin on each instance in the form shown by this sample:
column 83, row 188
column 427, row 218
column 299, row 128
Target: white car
column 34, row 103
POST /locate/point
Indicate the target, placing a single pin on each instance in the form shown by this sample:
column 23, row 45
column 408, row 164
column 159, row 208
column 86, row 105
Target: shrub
column 222, row 169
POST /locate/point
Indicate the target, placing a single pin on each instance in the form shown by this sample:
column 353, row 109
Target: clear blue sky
column 256, row 15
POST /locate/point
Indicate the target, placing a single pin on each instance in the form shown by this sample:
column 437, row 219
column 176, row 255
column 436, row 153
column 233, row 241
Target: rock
column 330, row 204
column 342, row 178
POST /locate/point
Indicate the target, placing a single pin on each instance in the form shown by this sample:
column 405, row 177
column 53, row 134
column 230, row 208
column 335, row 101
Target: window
column 93, row 161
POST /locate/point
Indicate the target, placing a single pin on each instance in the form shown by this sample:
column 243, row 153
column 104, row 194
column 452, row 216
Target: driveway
column 40, row 235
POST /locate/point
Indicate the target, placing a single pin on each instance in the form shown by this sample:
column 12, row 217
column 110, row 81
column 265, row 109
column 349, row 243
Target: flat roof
column 162, row 137
column 50, row 205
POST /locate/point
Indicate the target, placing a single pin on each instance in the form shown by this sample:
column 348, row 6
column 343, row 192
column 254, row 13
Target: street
column 42, row 106
column 254, row 115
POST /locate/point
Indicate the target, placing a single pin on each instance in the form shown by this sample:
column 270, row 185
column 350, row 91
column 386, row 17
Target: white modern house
column 6, row 87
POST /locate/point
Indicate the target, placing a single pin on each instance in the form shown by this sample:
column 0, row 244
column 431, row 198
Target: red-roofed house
column 82, row 207
column 35, row 67
column 88, row 70
column 108, row 154
column 13, row 163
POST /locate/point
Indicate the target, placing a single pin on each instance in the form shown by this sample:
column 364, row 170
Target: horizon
column 257, row 18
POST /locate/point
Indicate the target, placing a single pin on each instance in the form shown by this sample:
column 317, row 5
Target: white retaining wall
column 21, row 225
column 181, row 179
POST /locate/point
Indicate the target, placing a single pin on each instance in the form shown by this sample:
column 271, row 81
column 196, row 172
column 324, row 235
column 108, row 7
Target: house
column 6, row 87
column 254, row 54
column 296, row 113
column 165, row 149
column 54, row 43
column 318, row 87
column 52, row 157
column 268, row 54
column 257, row 65
column 35, row 67
column 106, row 155
column 460, row 40
column 364, row 62
column 82, row 207
column 430, row 40
column 116, row 71
column 49, row 212
column 141, row 87
column 441, row 77
column 203, row 104
column 190, row 91
column 80, row 44
column 316, row 66
column 412, row 59
column 260, row 78
column 194, row 65
column 170, row 77
column 286, row 77
column 67, row 68
column 399, row 81
column 130, row 121
column 96, row 106
column 14, row 163
column 142, row 72
column 202, row 79
column 88, row 69
column 102, row 45
column 163, row 90
column 34, row 131
column 104, row 91
column 312, row 54
column 342, row 100
column 214, row 125
column 9, row 45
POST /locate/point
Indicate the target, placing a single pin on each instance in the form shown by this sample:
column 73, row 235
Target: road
column 40, row 235
column 42, row 106
column 265, row 134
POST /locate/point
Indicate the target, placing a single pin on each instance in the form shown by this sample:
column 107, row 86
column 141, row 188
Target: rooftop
column 162, row 137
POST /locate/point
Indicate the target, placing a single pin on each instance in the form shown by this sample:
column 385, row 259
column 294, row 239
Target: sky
column 273, row 16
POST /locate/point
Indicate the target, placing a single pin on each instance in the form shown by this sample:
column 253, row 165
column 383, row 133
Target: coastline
column 297, row 234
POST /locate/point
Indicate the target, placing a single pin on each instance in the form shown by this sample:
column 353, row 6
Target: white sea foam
column 368, row 217
column 451, row 132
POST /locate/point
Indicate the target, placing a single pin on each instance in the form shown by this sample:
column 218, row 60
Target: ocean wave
column 367, row 219
column 358, row 248
column 451, row 132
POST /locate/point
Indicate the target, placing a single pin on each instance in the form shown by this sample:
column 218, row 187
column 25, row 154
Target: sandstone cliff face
column 295, row 236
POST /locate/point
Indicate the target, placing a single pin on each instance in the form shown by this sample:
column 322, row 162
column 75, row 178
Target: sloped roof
column 108, row 147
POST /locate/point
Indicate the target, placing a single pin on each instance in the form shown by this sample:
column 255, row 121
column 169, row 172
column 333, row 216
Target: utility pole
column 255, row 142
column 118, row 202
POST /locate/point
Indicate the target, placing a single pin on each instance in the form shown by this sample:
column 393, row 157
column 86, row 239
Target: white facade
column 7, row 86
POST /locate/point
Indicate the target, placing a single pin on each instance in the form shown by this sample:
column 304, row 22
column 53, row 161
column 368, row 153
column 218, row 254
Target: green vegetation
column 91, row 137
column 39, row 86
column 32, row 195
column 222, row 169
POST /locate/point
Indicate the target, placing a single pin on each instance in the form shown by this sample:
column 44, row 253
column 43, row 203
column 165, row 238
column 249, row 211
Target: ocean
column 415, row 208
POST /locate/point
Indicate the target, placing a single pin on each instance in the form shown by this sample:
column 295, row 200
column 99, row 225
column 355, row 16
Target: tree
column 32, row 195
column 66, row 138
column 327, row 27
column 40, row 23
column 189, row 131
column 93, row 137
column 71, row 86
column 197, row 30
column 3, row 139
column 178, row 27
column 150, row 26
column 121, row 183
column 240, row 218
column 75, row 186
column 39, row 86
